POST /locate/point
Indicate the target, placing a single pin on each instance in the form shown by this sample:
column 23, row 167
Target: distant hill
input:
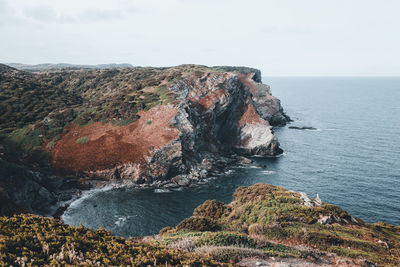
column 52, row 66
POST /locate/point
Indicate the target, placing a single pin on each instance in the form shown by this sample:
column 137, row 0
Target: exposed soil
column 110, row 145
column 208, row 101
column 250, row 116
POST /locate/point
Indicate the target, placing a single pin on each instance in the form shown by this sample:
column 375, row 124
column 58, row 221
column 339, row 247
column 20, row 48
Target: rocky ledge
column 160, row 127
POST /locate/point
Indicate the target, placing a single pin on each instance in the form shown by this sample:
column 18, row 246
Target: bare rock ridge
column 158, row 127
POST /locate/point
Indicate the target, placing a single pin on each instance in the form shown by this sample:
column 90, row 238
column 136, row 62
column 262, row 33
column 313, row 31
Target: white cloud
column 73, row 11
column 309, row 37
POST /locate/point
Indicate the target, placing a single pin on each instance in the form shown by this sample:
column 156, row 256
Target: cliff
column 160, row 127
column 264, row 225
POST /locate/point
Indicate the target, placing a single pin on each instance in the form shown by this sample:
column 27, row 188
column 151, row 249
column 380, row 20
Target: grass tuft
column 82, row 140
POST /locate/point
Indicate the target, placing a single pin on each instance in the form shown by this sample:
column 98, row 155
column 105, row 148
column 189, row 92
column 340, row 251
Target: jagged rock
column 383, row 243
column 206, row 164
column 243, row 160
column 203, row 174
column 171, row 185
column 306, row 201
column 328, row 219
column 318, row 201
column 181, row 180
column 257, row 140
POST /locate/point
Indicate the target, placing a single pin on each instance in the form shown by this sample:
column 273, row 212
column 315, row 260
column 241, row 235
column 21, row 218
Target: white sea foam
column 268, row 172
column 121, row 220
column 85, row 195
column 162, row 190
column 177, row 189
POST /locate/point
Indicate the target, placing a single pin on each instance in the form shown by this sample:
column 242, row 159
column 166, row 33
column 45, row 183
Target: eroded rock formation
column 145, row 126
column 212, row 116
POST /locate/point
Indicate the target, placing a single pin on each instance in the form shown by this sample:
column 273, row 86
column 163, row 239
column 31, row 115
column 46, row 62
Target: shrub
column 256, row 229
column 198, row 224
column 30, row 240
column 82, row 140
column 211, row 209
column 166, row 230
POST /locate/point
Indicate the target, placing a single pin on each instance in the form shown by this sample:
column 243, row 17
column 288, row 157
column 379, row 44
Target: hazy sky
column 280, row 37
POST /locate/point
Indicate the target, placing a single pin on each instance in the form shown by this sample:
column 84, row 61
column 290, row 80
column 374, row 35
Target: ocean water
column 351, row 160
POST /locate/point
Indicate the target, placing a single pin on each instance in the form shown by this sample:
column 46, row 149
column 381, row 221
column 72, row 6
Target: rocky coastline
column 189, row 123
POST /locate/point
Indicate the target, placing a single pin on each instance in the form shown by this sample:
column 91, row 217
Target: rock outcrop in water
column 146, row 126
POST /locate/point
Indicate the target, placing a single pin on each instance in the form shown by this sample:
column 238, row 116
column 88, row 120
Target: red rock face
column 250, row 116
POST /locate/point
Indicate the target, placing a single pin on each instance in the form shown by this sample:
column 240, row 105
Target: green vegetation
column 82, row 140
column 37, row 241
column 35, row 108
column 263, row 213
column 256, row 224
column 148, row 122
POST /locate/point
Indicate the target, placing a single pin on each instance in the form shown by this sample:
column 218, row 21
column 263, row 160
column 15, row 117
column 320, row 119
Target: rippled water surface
column 351, row 160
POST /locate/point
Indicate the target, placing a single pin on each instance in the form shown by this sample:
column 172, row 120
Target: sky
column 279, row 37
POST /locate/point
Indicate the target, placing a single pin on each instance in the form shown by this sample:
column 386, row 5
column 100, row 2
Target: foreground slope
column 262, row 226
column 268, row 220
column 163, row 127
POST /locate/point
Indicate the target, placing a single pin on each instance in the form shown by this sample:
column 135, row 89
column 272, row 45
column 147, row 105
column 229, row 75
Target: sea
column 351, row 159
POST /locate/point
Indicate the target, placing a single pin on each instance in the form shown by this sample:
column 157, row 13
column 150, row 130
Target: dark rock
column 243, row 160
column 302, row 128
column 181, row 180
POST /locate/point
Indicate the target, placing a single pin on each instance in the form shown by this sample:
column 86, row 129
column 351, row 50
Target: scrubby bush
column 37, row 241
column 255, row 229
column 82, row 140
column 212, row 209
column 198, row 224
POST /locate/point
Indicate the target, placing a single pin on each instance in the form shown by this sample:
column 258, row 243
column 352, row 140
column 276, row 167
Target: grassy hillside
column 263, row 222
column 35, row 108
column 274, row 222
column 38, row 241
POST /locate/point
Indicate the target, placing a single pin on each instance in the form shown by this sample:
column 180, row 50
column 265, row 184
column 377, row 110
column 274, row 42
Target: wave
column 268, row 172
column 121, row 220
column 162, row 190
column 88, row 194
